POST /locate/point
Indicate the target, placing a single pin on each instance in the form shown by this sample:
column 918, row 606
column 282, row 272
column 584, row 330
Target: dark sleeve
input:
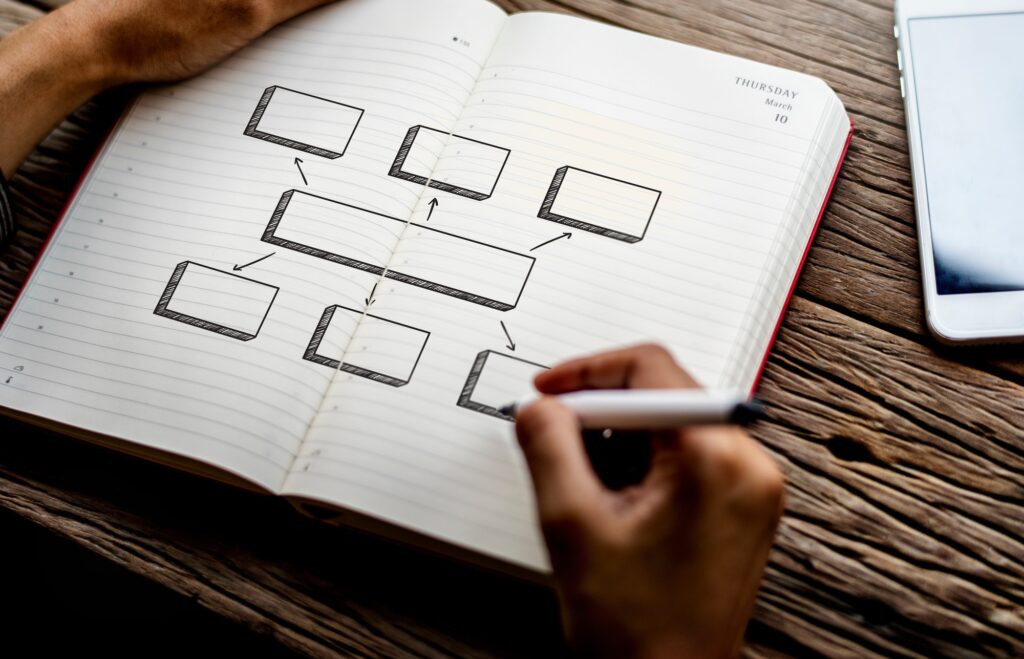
column 6, row 214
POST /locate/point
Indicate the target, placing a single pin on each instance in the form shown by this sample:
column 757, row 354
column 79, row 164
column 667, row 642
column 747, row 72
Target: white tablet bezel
column 971, row 317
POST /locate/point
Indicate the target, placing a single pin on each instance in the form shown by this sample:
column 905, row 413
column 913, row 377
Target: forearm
column 52, row 66
column 47, row 69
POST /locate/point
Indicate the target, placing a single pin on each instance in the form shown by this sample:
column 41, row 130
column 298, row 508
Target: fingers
column 727, row 464
column 720, row 462
column 567, row 490
column 645, row 366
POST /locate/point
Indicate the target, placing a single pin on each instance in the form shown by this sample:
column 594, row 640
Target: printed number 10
column 781, row 119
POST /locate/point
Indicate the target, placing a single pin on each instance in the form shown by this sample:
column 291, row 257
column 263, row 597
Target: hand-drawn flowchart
column 342, row 233
column 394, row 368
column 488, row 275
column 476, row 178
column 305, row 122
column 599, row 204
column 216, row 301
column 495, row 380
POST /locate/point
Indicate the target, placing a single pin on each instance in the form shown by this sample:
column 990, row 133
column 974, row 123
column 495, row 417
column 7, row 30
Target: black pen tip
column 508, row 410
column 747, row 412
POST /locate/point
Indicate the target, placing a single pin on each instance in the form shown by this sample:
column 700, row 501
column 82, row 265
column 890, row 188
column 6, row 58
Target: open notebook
column 452, row 199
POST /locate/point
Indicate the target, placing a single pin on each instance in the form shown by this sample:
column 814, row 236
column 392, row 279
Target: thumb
column 567, row 489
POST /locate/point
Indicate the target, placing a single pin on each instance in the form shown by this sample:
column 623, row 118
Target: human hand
column 157, row 40
column 61, row 60
column 669, row 567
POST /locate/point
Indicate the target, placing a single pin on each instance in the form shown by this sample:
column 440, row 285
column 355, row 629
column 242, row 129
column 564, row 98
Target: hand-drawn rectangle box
column 599, row 204
column 429, row 258
column 304, row 122
column 215, row 300
column 495, row 380
column 375, row 348
column 460, row 165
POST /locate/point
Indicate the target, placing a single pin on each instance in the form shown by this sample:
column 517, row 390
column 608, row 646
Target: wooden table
column 904, row 529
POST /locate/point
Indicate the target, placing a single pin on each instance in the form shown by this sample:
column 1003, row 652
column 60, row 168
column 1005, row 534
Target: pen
column 652, row 409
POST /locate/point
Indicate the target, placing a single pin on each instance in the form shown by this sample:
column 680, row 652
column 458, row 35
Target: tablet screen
column 969, row 80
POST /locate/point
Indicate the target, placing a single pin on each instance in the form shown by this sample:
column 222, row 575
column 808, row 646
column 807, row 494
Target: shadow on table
column 62, row 599
column 383, row 591
column 981, row 355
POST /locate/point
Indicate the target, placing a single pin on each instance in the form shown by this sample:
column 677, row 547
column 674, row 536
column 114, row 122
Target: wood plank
column 904, row 530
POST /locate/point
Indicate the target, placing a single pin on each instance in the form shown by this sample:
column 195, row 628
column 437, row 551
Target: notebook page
column 676, row 184
column 833, row 136
column 137, row 324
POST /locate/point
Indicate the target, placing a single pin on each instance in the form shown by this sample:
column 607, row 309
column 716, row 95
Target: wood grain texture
column 904, row 531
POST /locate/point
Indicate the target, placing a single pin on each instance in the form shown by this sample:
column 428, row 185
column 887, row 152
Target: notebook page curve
column 159, row 314
column 673, row 178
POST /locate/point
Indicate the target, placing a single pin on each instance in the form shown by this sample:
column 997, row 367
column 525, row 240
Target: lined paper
column 180, row 181
column 446, row 152
column 733, row 214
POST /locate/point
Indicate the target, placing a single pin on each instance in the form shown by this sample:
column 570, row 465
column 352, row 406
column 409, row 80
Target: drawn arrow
column 548, row 242
column 239, row 267
column 298, row 163
column 433, row 204
column 511, row 344
column 370, row 300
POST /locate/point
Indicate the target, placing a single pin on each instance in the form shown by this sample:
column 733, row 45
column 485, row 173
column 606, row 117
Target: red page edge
column 64, row 211
column 803, row 261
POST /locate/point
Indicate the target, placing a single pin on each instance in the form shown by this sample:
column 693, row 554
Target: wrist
column 47, row 69
column 80, row 49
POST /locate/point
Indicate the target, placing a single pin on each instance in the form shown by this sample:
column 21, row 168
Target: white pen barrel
column 652, row 409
